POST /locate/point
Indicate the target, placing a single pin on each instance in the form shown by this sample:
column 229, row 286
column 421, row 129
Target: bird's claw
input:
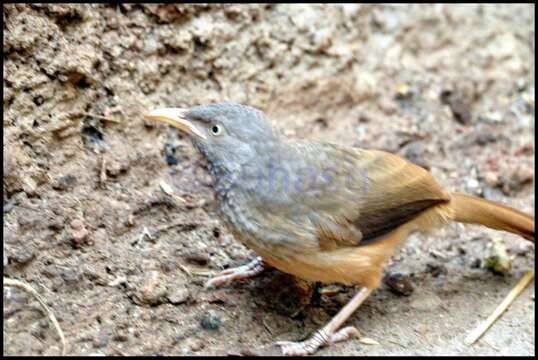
column 249, row 270
column 320, row 339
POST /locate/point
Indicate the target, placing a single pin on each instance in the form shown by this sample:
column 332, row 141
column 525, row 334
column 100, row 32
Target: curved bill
column 175, row 117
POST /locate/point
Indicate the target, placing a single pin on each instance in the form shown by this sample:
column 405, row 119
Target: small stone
column 399, row 284
column 491, row 178
column 472, row 183
column 101, row 340
column 23, row 255
column 153, row 292
column 476, row 263
column 64, row 183
column 120, row 280
column 387, row 106
column 79, row 236
column 210, row 321
column 436, row 269
column 459, row 105
column 91, row 273
column 218, row 297
column 403, row 90
column 483, row 139
column 179, row 296
column 29, row 186
column 77, row 224
column 197, row 345
column 495, row 116
column 78, row 233
column 70, row 276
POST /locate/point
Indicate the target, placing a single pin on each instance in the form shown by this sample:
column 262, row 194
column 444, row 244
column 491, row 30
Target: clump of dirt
column 111, row 219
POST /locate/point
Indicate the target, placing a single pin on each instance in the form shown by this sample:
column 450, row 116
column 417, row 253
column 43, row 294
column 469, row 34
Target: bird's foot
column 308, row 347
column 319, row 339
column 247, row 271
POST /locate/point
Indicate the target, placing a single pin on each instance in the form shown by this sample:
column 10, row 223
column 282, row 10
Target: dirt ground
column 112, row 220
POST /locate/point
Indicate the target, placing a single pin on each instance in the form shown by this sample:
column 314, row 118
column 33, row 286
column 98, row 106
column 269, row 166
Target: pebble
column 64, row 183
column 403, row 91
column 494, row 116
column 118, row 281
column 197, row 345
column 179, row 296
column 218, row 297
column 114, row 168
column 491, row 178
column 483, row 139
column 472, row 183
column 91, row 273
column 101, row 340
column 399, row 284
column 210, row 320
column 77, row 224
column 476, row 263
column 22, row 255
column 29, row 186
column 436, row 269
column 78, row 233
column 459, row 106
column 523, row 175
column 70, row 275
column 387, row 106
column 153, row 292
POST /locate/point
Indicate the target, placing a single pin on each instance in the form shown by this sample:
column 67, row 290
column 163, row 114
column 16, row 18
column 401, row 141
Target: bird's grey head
column 228, row 134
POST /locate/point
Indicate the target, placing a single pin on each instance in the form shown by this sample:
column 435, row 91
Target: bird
column 320, row 211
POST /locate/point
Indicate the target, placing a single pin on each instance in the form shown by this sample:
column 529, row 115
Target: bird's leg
column 329, row 333
column 247, row 271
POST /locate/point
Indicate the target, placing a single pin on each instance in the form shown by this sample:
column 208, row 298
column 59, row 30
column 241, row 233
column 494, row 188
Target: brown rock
column 399, row 284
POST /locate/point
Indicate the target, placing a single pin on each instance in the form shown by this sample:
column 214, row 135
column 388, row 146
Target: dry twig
column 482, row 328
column 27, row 288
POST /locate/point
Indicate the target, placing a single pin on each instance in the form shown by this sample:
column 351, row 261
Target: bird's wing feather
column 367, row 195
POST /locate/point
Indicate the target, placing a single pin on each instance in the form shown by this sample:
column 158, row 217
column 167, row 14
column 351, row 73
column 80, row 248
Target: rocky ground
column 103, row 216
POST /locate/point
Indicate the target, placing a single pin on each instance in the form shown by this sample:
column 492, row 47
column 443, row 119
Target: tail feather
column 473, row 210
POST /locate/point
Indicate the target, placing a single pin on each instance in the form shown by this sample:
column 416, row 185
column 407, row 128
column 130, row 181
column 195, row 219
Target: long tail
column 473, row 210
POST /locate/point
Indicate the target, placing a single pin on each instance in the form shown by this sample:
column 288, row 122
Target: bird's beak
column 175, row 117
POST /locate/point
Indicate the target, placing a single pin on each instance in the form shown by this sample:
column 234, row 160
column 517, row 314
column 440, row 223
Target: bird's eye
column 216, row 130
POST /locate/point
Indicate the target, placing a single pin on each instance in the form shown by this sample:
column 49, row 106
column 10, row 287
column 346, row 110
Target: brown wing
column 397, row 192
column 377, row 191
